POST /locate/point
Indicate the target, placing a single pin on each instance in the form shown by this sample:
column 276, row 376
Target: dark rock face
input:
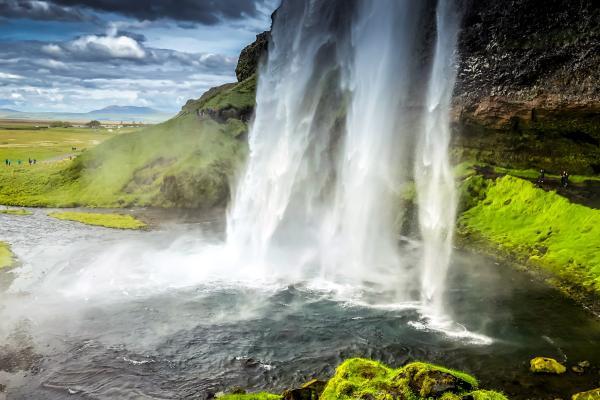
column 528, row 87
column 251, row 56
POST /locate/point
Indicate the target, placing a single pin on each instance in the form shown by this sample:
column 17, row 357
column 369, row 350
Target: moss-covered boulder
column 430, row 381
column 311, row 390
column 546, row 365
column 589, row 395
column 366, row 379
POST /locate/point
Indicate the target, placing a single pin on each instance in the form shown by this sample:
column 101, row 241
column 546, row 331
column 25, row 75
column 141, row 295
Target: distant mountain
column 126, row 110
column 109, row 114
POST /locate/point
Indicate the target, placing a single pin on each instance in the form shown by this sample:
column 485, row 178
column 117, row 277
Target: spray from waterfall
column 352, row 107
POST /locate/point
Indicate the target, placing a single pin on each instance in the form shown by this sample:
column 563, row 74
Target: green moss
column 361, row 378
column 15, row 211
column 251, row 396
column 589, row 395
column 487, row 395
column 118, row 221
column 6, row 256
column 539, row 227
column 545, row 365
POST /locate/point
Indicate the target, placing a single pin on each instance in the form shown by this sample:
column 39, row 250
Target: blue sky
column 80, row 55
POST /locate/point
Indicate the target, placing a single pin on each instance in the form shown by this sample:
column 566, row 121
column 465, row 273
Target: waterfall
column 352, row 111
column 433, row 174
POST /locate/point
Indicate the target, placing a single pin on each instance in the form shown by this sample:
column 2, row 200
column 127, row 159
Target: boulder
column 589, row 395
column 311, row 390
column 546, row 365
column 431, row 382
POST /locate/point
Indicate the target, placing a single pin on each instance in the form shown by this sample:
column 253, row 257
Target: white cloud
column 111, row 46
column 4, row 75
column 52, row 49
column 51, row 64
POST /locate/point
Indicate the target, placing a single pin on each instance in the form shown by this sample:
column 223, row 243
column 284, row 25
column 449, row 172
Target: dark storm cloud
column 39, row 10
column 208, row 12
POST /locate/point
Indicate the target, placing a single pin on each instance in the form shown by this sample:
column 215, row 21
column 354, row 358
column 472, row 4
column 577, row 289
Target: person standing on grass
column 540, row 180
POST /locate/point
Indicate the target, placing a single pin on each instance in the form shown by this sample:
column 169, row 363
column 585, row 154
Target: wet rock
column 546, row 365
column 311, row 390
column 589, row 395
column 434, row 382
column 577, row 369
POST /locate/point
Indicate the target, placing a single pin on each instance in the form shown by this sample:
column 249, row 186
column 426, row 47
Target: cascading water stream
column 433, row 174
column 352, row 105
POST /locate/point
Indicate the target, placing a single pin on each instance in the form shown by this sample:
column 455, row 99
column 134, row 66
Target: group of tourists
column 9, row 162
column 564, row 178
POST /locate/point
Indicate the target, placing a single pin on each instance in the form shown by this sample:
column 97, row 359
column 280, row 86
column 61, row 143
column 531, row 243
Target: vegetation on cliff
column 359, row 378
column 537, row 227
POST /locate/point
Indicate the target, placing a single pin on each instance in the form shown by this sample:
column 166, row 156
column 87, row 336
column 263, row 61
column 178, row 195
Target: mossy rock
column 546, row 365
column 311, row 390
column 366, row 379
column 430, row 381
column 589, row 395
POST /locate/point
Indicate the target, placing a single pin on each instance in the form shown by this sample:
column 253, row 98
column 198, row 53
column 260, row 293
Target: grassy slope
column 117, row 221
column 541, row 228
column 187, row 161
column 358, row 378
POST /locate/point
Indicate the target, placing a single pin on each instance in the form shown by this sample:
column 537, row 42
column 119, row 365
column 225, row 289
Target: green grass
column 6, row 256
column 539, row 227
column 118, row 221
column 15, row 211
column 47, row 144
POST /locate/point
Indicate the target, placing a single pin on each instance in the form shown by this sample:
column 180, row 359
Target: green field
column 23, row 142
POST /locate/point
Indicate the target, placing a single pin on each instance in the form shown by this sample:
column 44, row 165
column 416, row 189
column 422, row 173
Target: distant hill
column 126, row 110
column 110, row 113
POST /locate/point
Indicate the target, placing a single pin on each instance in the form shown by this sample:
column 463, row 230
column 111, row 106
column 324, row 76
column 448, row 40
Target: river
column 94, row 313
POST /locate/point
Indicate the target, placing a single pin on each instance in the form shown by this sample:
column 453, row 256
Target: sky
column 82, row 55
